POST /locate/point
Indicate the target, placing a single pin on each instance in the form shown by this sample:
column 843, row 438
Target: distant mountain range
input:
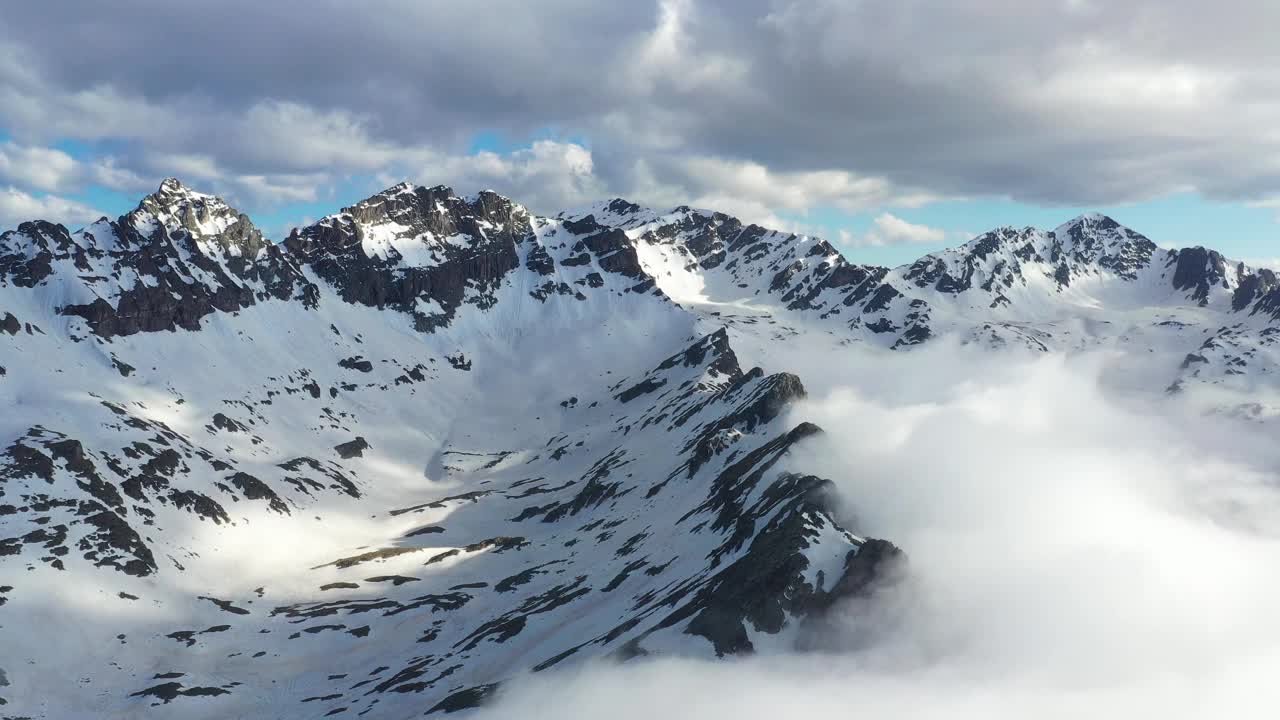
column 431, row 442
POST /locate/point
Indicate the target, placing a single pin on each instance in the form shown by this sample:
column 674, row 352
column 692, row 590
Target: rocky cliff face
column 175, row 259
column 416, row 250
column 426, row 252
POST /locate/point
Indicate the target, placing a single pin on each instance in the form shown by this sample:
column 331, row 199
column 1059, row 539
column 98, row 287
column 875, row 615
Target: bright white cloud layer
column 1073, row 550
column 17, row 206
column 37, row 167
column 889, row 229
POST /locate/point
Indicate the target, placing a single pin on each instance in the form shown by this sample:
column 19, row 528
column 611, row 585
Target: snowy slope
column 425, row 444
column 1089, row 283
column 430, row 442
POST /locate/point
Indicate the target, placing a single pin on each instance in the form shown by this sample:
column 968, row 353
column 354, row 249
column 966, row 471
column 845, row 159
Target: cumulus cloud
column 1051, row 102
column 749, row 182
column 547, row 176
column 894, row 229
column 109, row 173
column 45, row 169
column 17, row 206
column 1074, row 547
column 36, row 167
column 889, row 229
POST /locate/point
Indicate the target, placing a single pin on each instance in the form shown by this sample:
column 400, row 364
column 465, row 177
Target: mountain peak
column 403, row 187
column 173, row 193
column 1092, row 220
column 171, row 185
column 622, row 206
column 404, row 192
column 412, row 205
column 178, row 208
column 1092, row 215
column 1095, row 231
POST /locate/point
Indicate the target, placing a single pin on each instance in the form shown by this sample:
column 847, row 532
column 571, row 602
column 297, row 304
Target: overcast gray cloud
column 778, row 105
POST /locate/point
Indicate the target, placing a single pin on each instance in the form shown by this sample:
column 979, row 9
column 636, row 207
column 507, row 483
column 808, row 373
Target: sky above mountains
column 891, row 128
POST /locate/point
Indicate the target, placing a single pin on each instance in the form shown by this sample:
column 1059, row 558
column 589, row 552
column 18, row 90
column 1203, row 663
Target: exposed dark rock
column 540, row 261
column 222, row 422
column 382, row 554
column 1252, row 286
column 170, row 232
column 396, row 580
column 340, row 586
column 1197, row 269
column 493, row 226
column 615, row 253
column 225, row 605
column 26, row 461
column 880, row 300
column 1193, row 359
column 167, row 692
column 357, row 363
column 352, row 448
column 643, row 387
column 255, row 489
column 124, row 368
column 465, row 699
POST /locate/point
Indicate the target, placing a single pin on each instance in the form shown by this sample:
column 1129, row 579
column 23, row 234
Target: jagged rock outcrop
column 417, row 250
column 178, row 257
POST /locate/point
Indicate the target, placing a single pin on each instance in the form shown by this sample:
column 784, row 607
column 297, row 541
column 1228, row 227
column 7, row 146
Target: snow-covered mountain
column 431, row 442
column 1087, row 283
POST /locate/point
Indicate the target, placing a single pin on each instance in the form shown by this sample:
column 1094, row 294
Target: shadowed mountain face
column 431, row 442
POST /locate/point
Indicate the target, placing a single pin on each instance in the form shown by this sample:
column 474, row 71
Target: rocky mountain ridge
column 431, row 442
column 425, row 251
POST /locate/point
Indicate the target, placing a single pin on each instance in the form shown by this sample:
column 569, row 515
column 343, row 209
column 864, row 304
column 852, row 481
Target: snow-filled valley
column 433, row 445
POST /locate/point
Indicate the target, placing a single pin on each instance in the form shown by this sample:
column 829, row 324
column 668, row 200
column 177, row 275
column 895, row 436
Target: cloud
column 750, row 182
column 791, row 103
column 297, row 137
column 547, row 176
column 36, row 167
column 17, row 206
column 894, row 230
column 107, row 172
column 44, row 169
column 1272, row 263
column 1075, row 546
column 672, row 58
column 889, row 229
